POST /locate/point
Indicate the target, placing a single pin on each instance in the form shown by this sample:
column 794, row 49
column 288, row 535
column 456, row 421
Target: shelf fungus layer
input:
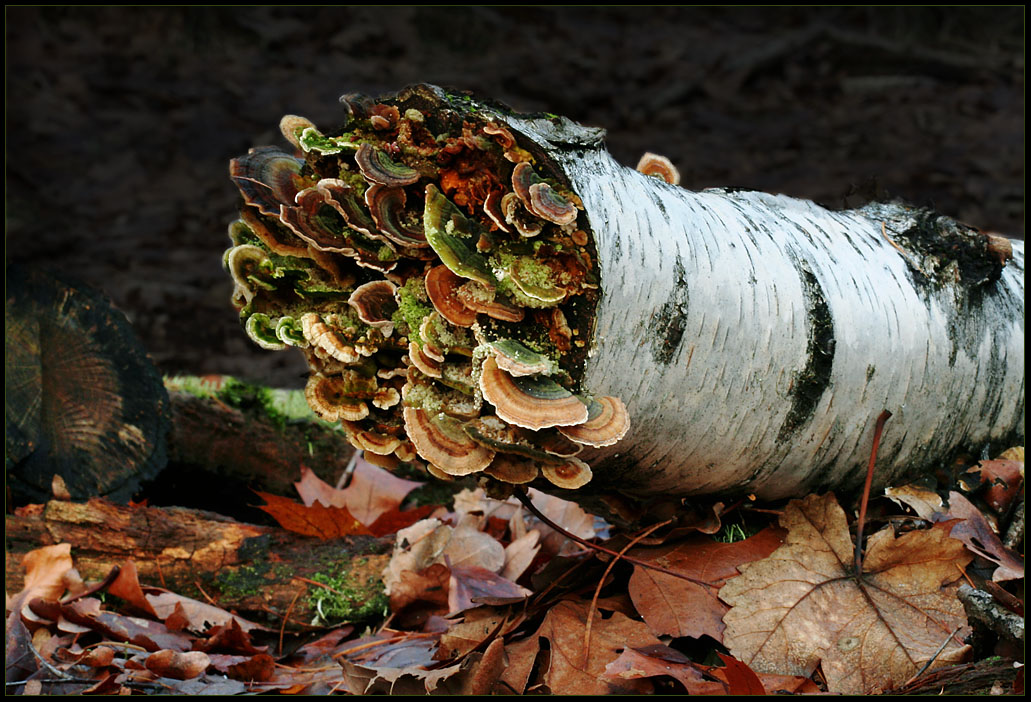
column 440, row 280
column 491, row 292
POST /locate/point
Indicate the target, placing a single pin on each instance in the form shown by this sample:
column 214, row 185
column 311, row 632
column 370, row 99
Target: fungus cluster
column 441, row 282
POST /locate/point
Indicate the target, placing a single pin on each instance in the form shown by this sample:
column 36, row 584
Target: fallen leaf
column 429, row 585
column 568, row 515
column 924, row 501
column 803, row 606
column 152, row 636
column 127, row 586
column 415, row 549
column 393, row 521
column 200, row 616
column 228, row 638
column 573, row 673
column 741, row 680
column 486, row 671
column 315, row 520
column 1004, row 478
column 19, row 663
column 522, row 655
column 371, row 493
column 178, row 665
column 661, row 660
column 45, row 569
column 677, row 607
column 461, row 638
column 520, row 554
column 772, row 683
column 256, row 668
column 469, row 585
column 471, row 548
column 974, row 531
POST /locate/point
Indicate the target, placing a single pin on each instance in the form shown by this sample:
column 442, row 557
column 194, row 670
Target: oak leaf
column 804, row 606
column 573, row 673
column 678, row 607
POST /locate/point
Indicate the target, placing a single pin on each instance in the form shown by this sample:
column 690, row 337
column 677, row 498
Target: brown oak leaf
column 804, row 606
column 678, row 607
column 573, row 673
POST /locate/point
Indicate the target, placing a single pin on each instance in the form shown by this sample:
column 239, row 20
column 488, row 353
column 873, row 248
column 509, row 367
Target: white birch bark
column 755, row 338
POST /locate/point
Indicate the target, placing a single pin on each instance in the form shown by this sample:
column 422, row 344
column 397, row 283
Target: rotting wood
column 254, row 570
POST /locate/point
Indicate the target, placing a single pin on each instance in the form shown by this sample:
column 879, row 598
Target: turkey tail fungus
column 529, row 299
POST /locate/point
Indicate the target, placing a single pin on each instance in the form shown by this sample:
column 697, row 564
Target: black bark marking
column 667, row 326
column 943, row 252
column 813, row 380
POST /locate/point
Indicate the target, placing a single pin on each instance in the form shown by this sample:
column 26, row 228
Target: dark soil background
column 121, row 121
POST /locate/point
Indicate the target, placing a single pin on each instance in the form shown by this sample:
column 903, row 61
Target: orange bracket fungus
column 491, row 292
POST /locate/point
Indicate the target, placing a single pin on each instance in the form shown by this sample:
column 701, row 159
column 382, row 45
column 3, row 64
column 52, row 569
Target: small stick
column 286, row 618
column 884, row 416
column 601, row 583
column 522, row 497
column 933, row 658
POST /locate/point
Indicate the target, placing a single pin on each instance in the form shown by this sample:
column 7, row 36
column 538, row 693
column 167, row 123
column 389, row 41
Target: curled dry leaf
column 45, row 570
column 976, row 534
column 803, row 606
column 371, row 493
column 677, row 607
column 178, row 665
column 470, row 585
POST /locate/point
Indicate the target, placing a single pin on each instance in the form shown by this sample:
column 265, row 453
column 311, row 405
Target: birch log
column 753, row 338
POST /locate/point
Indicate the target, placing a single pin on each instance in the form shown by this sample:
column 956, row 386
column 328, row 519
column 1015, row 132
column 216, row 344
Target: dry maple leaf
column 315, row 520
column 371, row 493
column 803, row 606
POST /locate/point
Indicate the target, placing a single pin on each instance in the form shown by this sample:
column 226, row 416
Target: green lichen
column 413, row 306
column 243, row 582
column 346, row 597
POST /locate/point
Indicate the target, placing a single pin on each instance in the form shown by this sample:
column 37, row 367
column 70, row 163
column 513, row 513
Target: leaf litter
column 488, row 598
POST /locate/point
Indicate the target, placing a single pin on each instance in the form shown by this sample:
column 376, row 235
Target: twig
column 522, row 497
column 601, row 583
column 46, row 664
column 206, row 595
column 881, row 419
column 963, row 572
column 286, row 618
column 933, row 658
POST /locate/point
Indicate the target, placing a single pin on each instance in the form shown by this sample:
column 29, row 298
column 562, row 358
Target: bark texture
column 755, row 338
column 261, row 572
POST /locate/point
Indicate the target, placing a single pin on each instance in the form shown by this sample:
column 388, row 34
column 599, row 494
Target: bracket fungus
column 492, row 292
